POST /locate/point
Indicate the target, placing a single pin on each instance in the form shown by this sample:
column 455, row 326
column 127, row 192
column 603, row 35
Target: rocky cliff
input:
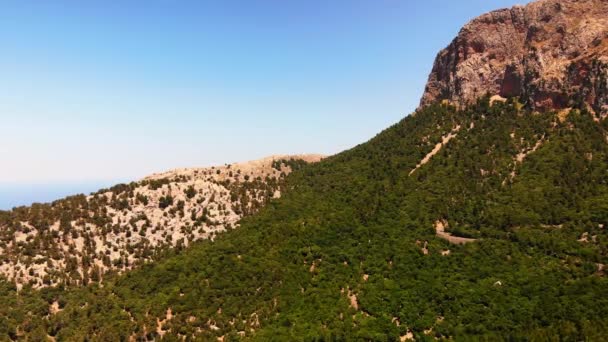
column 550, row 53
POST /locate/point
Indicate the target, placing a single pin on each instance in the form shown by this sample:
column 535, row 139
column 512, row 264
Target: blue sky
column 105, row 91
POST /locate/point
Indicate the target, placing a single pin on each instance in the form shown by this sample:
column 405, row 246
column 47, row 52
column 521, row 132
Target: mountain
column 479, row 219
column 79, row 239
column 499, row 235
column 552, row 54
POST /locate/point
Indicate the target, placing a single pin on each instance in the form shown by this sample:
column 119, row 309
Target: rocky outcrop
column 550, row 53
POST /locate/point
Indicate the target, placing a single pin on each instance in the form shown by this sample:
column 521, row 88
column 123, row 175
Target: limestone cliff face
column 550, row 53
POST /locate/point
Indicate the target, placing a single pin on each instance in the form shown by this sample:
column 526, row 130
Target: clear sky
column 100, row 91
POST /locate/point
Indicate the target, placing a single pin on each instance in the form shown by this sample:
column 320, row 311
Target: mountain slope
column 350, row 251
column 81, row 238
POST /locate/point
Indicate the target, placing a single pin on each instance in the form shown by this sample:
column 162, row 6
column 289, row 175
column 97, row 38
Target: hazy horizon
column 25, row 194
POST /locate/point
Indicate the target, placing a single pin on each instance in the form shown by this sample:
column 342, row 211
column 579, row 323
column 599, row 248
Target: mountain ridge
column 80, row 238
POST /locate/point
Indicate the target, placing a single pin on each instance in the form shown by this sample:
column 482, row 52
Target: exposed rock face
column 551, row 54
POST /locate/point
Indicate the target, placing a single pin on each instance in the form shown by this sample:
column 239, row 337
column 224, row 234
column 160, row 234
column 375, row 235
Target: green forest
column 350, row 253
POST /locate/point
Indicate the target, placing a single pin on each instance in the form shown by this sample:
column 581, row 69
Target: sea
column 15, row 195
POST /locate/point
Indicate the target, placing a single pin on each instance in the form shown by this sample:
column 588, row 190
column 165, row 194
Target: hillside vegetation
column 351, row 252
column 79, row 239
